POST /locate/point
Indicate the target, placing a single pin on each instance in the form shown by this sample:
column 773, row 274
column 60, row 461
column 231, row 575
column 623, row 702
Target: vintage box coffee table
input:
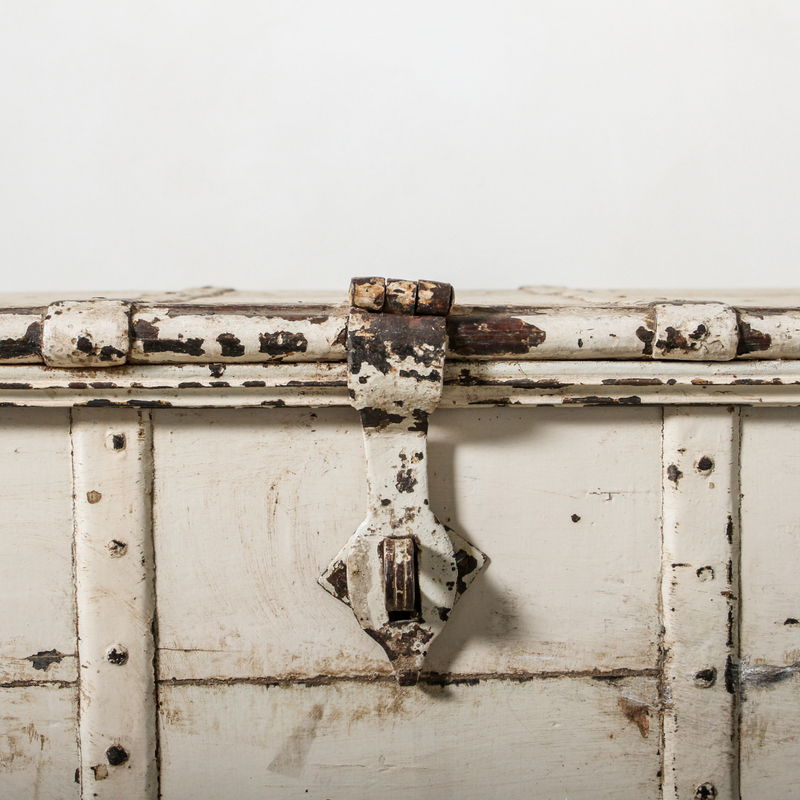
column 534, row 544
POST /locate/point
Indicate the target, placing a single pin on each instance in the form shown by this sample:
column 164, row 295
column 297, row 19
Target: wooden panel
column 37, row 626
column 250, row 507
column 543, row 739
column 770, row 626
column 38, row 743
column 566, row 504
column 700, row 602
column 115, row 600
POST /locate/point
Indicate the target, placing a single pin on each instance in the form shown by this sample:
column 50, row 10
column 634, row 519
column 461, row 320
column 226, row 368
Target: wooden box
column 232, row 542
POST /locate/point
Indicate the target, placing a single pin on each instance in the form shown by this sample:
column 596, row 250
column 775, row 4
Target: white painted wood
column 770, row 630
column 296, row 335
column 773, row 334
column 116, row 603
column 86, row 333
column 770, row 741
column 696, row 331
column 546, row 739
column 249, row 506
column 699, row 599
column 531, row 324
column 39, row 743
column 765, row 383
column 20, row 335
column 572, row 333
column 37, row 623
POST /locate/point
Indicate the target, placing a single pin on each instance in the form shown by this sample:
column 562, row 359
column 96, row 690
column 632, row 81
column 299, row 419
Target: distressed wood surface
column 37, row 623
column 114, row 572
column 766, row 383
column 544, row 739
column 770, row 626
column 39, row 743
column 700, row 602
column 528, row 324
column 238, row 333
column 547, row 674
column 285, row 489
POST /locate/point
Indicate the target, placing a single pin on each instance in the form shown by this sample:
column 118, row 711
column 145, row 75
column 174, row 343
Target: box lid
column 212, row 325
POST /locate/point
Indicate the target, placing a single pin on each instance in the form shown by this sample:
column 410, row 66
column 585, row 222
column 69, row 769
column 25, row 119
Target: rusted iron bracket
column 402, row 571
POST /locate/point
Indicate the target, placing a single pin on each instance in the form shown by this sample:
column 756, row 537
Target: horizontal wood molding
column 100, row 333
column 764, row 383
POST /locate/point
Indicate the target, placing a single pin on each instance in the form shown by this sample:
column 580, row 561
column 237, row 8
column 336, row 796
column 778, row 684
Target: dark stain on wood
column 230, row 345
column 677, row 340
column 143, row 329
column 638, row 713
column 405, row 480
column 752, row 340
column 30, row 345
column 632, row 382
column 646, row 336
column 481, row 335
column 187, row 347
column 338, row 581
column 466, row 564
column 594, row 400
column 44, row 658
column 674, row 474
column 379, row 419
column 282, row 343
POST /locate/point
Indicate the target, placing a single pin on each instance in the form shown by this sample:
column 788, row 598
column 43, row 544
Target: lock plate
column 402, row 571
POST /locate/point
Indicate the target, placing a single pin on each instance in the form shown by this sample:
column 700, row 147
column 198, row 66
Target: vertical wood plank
column 37, row 623
column 699, row 602
column 112, row 473
column 770, row 632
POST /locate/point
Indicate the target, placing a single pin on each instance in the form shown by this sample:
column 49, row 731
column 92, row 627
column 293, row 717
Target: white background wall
column 293, row 143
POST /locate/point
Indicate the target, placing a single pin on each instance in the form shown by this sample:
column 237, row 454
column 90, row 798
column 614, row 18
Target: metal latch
column 402, row 571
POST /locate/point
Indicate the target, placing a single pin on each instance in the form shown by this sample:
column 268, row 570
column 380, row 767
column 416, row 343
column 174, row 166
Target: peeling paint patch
column 187, row 347
column 230, row 345
column 674, row 474
column 473, row 334
column 282, row 343
column 637, row 712
column 44, row 658
column 752, row 340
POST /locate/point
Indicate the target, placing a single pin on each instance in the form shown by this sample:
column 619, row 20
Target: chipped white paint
column 699, row 597
column 20, row 335
column 395, row 371
column 242, row 600
column 768, row 333
column 554, row 333
column 547, row 674
column 770, row 628
column 267, row 327
column 114, row 571
column 696, row 332
column 764, row 383
column 86, row 333
column 164, row 336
